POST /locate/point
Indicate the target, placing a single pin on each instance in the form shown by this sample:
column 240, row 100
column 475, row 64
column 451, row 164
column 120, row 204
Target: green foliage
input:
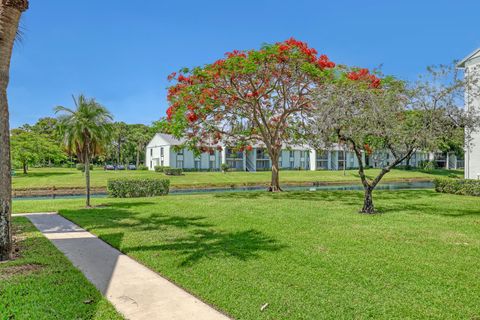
column 86, row 129
column 139, row 187
column 225, row 167
column 458, row 186
column 173, row 171
column 81, row 167
column 142, row 167
column 30, row 148
column 427, row 166
column 160, row 168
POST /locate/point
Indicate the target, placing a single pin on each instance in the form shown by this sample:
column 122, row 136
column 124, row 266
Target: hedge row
column 173, row 171
column 160, row 168
column 458, row 186
column 139, row 187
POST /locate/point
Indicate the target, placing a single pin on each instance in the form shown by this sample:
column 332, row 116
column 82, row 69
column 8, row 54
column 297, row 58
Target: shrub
column 427, row 166
column 172, row 171
column 458, row 186
column 160, row 168
column 139, row 187
column 225, row 167
column 81, row 167
column 142, row 167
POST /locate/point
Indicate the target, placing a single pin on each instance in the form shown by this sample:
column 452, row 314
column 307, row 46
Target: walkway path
column 136, row 291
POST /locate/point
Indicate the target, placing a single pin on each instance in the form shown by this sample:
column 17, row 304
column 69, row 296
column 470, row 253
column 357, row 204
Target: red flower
column 249, row 148
column 368, row 149
column 192, row 117
column 169, row 113
column 171, row 76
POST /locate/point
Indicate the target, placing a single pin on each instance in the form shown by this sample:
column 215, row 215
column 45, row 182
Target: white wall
column 472, row 101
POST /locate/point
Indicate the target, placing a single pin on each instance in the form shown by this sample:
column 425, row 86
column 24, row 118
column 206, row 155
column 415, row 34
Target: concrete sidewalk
column 136, row 291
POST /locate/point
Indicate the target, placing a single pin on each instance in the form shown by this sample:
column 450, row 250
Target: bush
column 132, row 188
column 200, row 170
column 81, row 167
column 142, row 167
column 225, row 167
column 458, row 186
column 427, row 166
column 160, row 168
column 172, row 171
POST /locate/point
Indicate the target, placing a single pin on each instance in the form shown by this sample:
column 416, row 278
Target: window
column 161, row 152
column 322, row 159
column 151, row 165
column 341, row 160
column 211, row 164
column 179, row 164
column 197, row 164
column 151, row 152
column 180, row 152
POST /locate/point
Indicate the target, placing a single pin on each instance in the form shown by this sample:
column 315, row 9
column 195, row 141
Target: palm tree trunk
column 87, row 178
column 10, row 11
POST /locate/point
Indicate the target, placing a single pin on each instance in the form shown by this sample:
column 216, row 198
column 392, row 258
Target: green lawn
column 43, row 284
column 309, row 255
column 64, row 178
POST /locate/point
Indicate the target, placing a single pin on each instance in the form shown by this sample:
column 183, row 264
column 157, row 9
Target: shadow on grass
column 113, row 217
column 197, row 241
column 210, row 244
column 41, row 174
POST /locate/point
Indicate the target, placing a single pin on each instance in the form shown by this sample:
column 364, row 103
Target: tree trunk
column 10, row 11
column 368, row 201
column 275, row 183
column 87, row 179
column 25, row 168
column 138, row 158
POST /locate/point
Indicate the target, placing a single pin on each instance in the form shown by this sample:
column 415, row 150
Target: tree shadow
column 41, row 174
column 211, row 244
column 108, row 218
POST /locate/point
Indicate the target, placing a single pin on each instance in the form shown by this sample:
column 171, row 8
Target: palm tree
column 10, row 12
column 86, row 131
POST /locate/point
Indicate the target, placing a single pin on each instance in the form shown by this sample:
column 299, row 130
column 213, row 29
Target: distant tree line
column 42, row 145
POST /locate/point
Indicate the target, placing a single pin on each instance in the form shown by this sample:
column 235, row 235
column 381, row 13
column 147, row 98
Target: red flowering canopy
column 256, row 96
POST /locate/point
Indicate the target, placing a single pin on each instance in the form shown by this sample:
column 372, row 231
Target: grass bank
column 40, row 283
column 308, row 255
column 61, row 178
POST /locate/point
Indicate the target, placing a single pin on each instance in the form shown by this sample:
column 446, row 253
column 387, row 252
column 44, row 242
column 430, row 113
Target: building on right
column 471, row 66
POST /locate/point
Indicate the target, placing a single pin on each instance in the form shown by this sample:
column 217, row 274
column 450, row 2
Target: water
column 337, row 187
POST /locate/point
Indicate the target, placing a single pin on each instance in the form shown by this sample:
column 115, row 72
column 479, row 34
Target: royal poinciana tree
column 249, row 97
column 384, row 115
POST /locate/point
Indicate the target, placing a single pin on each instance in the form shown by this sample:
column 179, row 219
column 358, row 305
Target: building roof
column 170, row 139
column 474, row 54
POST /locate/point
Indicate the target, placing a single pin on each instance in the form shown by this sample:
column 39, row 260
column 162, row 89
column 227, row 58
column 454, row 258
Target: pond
column 330, row 187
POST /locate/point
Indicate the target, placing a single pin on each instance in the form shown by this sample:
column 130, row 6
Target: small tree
column 257, row 96
column 86, row 130
column 384, row 115
column 139, row 135
column 30, row 148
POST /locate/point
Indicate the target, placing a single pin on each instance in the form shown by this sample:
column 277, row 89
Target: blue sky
column 121, row 51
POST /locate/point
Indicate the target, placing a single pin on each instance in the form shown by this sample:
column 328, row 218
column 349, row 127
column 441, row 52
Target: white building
column 471, row 65
column 163, row 151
